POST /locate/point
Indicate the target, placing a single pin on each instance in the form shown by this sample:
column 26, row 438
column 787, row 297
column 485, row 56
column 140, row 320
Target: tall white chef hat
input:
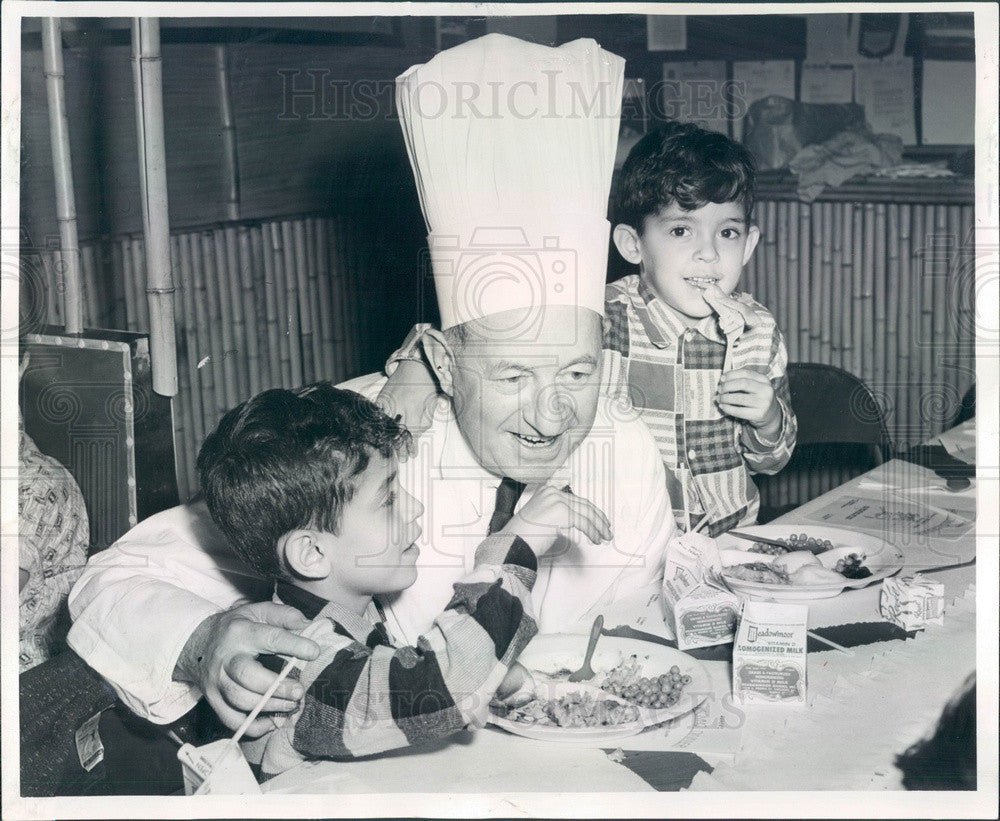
column 513, row 145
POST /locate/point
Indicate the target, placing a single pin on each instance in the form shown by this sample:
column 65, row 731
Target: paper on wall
column 754, row 80
column 831, row 38
column 695, row 91
column 822, row 83
column 885, row 89
column 948, row 102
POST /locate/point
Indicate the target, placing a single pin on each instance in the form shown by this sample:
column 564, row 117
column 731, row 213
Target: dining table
column 873, row 688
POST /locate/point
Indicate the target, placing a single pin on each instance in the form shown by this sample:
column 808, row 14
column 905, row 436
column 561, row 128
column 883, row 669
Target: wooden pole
column 251, row 324
column 62, row 167
column 325, row 311
column 148, row 74
column 230, row 167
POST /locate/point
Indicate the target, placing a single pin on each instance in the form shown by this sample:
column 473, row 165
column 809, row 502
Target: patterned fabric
column 365, row 696
column 670, row 374
column 54, row 535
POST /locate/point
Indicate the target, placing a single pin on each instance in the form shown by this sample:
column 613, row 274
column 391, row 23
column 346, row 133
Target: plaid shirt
column 365, row 696
column 54, row 536
column 670, row 374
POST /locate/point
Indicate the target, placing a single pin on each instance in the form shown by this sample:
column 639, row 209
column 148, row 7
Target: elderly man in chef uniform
column 512, row 145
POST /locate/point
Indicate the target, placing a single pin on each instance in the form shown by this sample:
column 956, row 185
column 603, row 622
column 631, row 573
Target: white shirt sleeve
column 137, row 603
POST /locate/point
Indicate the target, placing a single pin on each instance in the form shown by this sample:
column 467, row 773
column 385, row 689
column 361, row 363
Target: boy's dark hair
column 685, row 164
column 287, row 459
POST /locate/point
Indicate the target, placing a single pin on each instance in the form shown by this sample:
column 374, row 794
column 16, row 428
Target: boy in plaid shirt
column 705, row 366
column 304, row 485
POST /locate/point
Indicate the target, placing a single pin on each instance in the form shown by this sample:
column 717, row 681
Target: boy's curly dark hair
column 685, row 164
column 287, row 459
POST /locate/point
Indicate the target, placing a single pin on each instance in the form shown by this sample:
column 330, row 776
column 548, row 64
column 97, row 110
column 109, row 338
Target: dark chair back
column 842, row 433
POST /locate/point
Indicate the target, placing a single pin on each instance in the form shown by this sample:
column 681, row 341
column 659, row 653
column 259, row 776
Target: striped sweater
column 365, row 696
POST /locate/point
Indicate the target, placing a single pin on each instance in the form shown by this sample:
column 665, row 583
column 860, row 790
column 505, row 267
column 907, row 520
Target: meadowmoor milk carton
column 702, row 615
column 769, row 654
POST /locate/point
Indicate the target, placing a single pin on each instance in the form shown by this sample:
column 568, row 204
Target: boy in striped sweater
column 304, row 485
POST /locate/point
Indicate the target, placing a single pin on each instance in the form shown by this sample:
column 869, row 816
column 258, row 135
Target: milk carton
column 912, row 602
column 702, row 615
column 769, row 654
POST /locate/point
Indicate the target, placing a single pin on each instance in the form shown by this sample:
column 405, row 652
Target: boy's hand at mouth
column 748, row 395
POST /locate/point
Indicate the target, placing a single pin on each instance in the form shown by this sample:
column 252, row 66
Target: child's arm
column 366, row 700
column 768, row 451
column 411, row 390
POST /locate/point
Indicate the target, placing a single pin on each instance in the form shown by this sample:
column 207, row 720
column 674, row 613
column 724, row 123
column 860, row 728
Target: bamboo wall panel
column 883, row 290
column 257, row 306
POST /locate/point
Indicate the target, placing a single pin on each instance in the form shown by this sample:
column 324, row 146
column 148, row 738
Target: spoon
column 586, row 672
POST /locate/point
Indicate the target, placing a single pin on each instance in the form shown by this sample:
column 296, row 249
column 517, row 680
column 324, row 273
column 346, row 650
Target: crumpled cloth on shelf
column 841, row 157
column 921, row 170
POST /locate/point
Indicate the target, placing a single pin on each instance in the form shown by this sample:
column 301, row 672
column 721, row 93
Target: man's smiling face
column 524, row 405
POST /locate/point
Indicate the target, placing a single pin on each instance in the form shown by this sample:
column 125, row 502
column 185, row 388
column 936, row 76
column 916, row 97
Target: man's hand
column 748, row 395
column 551, row 511
column 220, row 659
column 411, row 392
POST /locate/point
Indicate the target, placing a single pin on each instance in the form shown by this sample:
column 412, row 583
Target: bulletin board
column 903, row 68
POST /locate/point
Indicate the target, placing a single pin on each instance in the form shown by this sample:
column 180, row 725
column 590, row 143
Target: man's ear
column 628, row 243
column 304, row 555
column 753, row 237
column 441, row 358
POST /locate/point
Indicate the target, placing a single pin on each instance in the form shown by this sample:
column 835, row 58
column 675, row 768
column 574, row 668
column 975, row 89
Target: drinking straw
column 62, row 167
column 832, row 644
column 290, row 665
column 292, row 303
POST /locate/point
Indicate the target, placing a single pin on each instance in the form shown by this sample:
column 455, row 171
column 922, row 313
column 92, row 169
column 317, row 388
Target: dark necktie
column 508, row 493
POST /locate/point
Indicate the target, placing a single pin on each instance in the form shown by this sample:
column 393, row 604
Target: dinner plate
column 882, row 558
column 552, row 657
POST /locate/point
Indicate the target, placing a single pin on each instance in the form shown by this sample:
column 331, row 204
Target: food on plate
column 852, row 566
column 792, row 543
column 756, row 572
column 815, row 574
column 571, row 710
column 790, row 562
column 626, row 681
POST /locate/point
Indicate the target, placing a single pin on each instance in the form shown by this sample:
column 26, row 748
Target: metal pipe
column 63, row 170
